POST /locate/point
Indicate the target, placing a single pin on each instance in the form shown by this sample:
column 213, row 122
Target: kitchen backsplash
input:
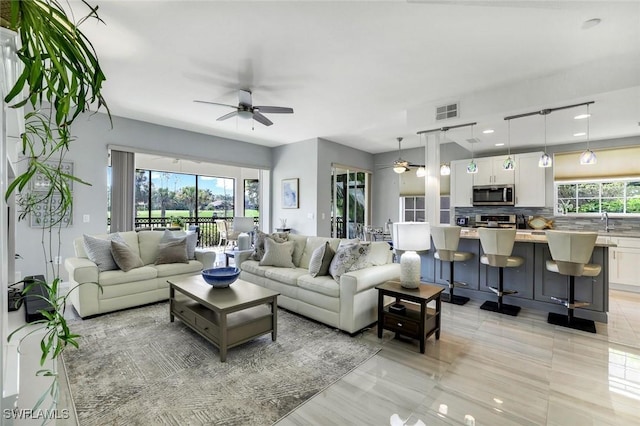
column 618, row 225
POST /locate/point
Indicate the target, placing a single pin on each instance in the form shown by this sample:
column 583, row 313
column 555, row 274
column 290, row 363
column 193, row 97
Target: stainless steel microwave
column 494, row 195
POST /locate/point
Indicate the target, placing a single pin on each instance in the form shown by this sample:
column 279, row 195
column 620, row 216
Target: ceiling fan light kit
column 421, row 172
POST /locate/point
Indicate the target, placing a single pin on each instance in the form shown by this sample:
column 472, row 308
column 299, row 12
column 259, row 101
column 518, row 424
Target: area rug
column 136, row 367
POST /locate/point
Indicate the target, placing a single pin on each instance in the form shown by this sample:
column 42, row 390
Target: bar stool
column 445, row 240
column 571, row 252
column 497, row 245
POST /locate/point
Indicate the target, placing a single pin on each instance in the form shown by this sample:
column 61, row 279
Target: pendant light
column 472, row 167
column 588, row 157
column 508, row 164
column 545, row 159
column 445, row 169
column 421, row 172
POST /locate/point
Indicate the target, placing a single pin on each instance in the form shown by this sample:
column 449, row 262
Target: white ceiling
column 362, row 73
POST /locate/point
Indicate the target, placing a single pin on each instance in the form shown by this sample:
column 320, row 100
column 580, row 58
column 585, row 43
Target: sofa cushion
column 278, row 254
column 287, row 276
column 124, row 256
column 148, row 242
column 312, row 244
column 320, row 260
column 171, row 269
column 258, row 243
column 174, row 251
column 380, row 253
column 347, row 255
column 299, row 241
column 108, row 278
column 192, row 240
column 324, row 285
column 99, row 251
column 253, row 267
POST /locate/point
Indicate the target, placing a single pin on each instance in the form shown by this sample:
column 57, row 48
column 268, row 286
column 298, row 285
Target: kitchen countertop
column 533, row 236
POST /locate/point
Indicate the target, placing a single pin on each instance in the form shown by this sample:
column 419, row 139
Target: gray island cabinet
column 535, row 285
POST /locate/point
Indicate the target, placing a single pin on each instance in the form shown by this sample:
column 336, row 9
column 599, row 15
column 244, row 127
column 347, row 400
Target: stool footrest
column 575, row 323
column 459, row 284
column 577, row 304
column 454, row 299
column 503, row 292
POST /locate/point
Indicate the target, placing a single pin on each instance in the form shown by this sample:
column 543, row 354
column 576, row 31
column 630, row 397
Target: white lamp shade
column 414, row 236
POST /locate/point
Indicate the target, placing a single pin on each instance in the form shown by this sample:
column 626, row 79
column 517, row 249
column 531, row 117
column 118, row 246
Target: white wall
column 89, row 154
column 297, row 160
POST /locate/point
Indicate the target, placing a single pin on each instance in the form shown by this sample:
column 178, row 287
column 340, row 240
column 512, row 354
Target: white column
column 432, row 179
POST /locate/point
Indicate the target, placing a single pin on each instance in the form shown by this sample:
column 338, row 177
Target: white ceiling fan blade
column 261, row 119
column 244, row 97
column 226, row 116
column 215, row 103
column 274, row 109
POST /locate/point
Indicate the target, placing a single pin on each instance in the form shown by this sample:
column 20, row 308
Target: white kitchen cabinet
column 623, row 264
column 530, row 182
column 490, row 172
column 461, row 184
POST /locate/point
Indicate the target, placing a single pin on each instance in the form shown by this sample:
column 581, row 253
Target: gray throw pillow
column 124, row 257
column 99, row 251
column 278, row 254
column 192, row 240
column 260, row 237
column 174, row 251
column 321, row 260
column 345, row 258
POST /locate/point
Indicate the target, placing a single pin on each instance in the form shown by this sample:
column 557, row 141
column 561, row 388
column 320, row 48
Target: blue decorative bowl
column 220, row 277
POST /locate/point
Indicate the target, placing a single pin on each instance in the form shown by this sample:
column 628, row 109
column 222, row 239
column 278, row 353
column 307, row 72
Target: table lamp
column 411, row 237
column 243, row 225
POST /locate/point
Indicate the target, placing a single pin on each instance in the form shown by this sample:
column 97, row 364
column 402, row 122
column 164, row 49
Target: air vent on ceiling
column 445, row 112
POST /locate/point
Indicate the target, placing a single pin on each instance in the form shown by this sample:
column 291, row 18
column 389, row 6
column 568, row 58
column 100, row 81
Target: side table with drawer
column 417, row 321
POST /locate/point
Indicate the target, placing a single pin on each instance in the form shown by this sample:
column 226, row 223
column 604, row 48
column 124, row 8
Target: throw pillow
column 260, row 237
column 346, row 256
column 174, row 251
column 363, row 257
column 124, row 257
column 278, row 254
column 321, row 260
column 99, row 251
column 192, row 240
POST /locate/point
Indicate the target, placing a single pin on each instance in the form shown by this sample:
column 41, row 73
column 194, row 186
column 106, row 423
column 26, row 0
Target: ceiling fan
column 246, row 109
column 400, row 166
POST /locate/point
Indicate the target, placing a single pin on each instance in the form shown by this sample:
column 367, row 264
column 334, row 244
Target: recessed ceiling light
column 486, row 132
column 580, row 134
column 499, row 144
column 590, row 23
column 582, row 116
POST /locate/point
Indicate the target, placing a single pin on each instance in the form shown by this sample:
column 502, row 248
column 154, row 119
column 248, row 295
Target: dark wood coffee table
column 418, row 321
column 226, row 317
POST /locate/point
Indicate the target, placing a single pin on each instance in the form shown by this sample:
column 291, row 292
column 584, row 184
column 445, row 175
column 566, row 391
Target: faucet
column 605, row 217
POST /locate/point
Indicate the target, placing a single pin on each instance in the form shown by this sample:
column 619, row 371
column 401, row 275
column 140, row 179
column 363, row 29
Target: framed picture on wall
column 290, row 195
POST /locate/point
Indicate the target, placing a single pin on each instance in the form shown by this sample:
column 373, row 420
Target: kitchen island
column 534, row 283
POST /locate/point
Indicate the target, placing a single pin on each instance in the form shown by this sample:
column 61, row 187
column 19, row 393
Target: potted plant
column 177, row 221
column 60, row 79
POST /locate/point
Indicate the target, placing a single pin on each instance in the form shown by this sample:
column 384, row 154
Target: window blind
column 612, row 163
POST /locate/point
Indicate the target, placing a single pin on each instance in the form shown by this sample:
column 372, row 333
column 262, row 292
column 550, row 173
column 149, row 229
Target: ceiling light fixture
column 590, row 23
column 500, row 144
column 588, row 157
column 508, row 164
column 581, row 116
column 472, row 167
column 488, row 131
column 545, row 160
column 400, row 166
column 579, row 134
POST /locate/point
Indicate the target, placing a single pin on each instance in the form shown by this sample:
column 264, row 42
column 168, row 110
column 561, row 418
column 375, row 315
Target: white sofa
column 146, row 284
column 349, row 305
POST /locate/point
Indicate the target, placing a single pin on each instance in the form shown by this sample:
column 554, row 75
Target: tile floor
column 491, row 369
column 486, row 369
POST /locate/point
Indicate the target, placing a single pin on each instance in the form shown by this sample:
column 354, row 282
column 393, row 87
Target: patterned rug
column 135, row 367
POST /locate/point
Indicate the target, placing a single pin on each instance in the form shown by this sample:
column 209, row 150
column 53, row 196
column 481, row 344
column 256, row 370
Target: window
column 413, row 209
column 621, row 196
column 251, row 197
